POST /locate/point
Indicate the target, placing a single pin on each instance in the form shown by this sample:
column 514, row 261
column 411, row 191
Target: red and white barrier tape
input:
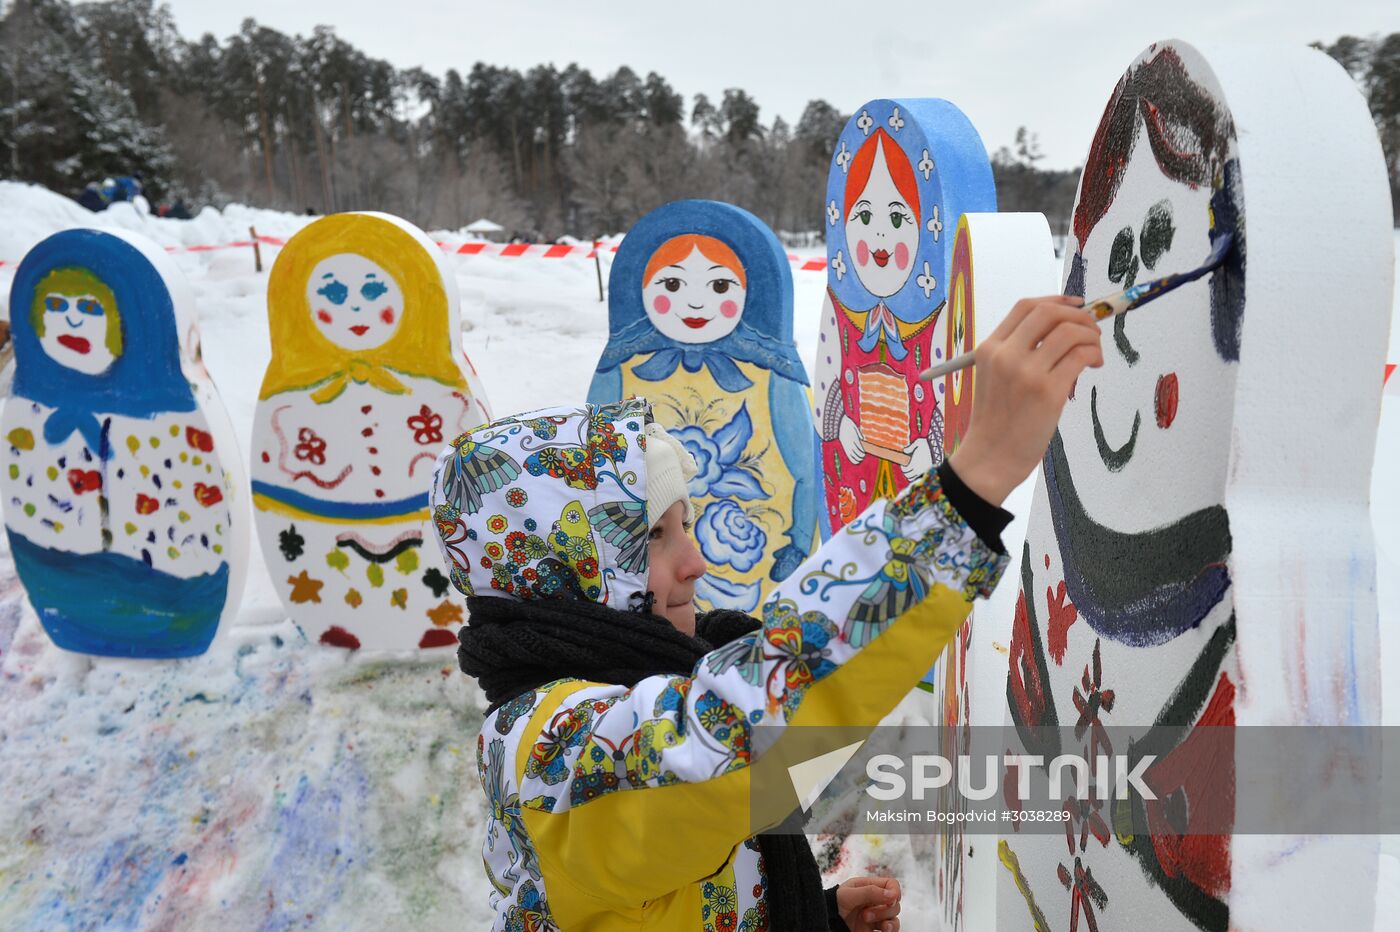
column 477, row 248
column 236, row 244
column 560, row 251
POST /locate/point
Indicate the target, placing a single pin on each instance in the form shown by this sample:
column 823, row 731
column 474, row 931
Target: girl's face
column 882, row 232
column 354, row 302
column 694, row 301
column 75, row 332
column 674, row 564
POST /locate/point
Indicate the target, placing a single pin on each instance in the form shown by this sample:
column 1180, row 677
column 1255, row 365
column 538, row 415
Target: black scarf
column 512, row 647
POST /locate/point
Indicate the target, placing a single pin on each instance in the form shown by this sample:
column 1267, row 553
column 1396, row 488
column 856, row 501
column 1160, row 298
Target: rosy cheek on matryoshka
column 901, row 256
column 1166, row 400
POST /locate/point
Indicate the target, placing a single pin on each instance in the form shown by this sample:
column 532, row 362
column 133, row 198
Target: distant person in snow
column 618, row 747
column 92, row 198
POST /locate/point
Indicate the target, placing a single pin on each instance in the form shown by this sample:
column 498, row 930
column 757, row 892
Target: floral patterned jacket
column 618, row 808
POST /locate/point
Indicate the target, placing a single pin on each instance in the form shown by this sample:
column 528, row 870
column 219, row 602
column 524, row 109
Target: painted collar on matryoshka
column 548, row 505
column 1140, row 588
column 144, row 376
column 763, row 335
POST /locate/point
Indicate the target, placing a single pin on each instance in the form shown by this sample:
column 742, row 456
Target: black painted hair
column 1190, row 135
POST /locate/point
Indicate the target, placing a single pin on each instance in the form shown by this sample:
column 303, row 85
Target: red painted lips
column 360, row 330
column 695, row 323
column 76, row 344
column 881, row 257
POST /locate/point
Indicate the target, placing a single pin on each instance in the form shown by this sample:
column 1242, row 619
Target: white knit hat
column 670, row 468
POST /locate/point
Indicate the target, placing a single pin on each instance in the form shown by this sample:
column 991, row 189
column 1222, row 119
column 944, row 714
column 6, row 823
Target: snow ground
column 271, row 783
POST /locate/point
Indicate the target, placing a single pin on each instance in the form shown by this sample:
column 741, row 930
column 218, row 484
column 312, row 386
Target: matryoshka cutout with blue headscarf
column 700, row 323
column 122, row 490
column 903, row 173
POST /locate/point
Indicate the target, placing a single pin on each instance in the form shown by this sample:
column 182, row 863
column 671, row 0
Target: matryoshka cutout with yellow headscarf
column 367, row 379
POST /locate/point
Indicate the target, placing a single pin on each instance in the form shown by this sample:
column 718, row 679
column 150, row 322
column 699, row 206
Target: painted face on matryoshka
column 1147, row 436
column 694, row 289
column 76, row 319
column 355, row 303
column 882, row 215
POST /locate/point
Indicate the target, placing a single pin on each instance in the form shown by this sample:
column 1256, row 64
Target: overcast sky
column 1048, row 66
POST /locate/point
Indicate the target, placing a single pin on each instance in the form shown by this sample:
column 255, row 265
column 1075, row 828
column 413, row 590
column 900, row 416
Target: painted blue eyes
column 336, row 293
column 59, row 305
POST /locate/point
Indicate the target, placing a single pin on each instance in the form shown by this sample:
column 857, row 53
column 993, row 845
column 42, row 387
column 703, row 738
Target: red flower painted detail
column 1062, row 615
column 437, row 637
column 310, row 447
column 84, row 480
column 201, row 441
column 207, row 495
column 146, row 505
column 426, row 426
column 336, row 636
column 1091, row 702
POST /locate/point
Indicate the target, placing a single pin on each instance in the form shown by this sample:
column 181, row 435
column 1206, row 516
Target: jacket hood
column 548, row 505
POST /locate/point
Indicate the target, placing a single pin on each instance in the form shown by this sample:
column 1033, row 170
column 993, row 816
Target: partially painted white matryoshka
column 122, row 486
column 700, row 324
column 367, row 379
column 1191, row 568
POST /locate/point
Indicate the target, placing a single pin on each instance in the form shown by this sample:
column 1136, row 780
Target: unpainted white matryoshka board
column 124, row 493
column 997, row 259
column 1200, row 552
column 368, row 380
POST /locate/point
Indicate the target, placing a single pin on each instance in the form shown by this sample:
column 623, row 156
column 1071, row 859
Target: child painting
column 620, row 745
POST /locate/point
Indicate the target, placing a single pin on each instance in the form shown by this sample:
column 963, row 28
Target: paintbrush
column 1114, row 304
